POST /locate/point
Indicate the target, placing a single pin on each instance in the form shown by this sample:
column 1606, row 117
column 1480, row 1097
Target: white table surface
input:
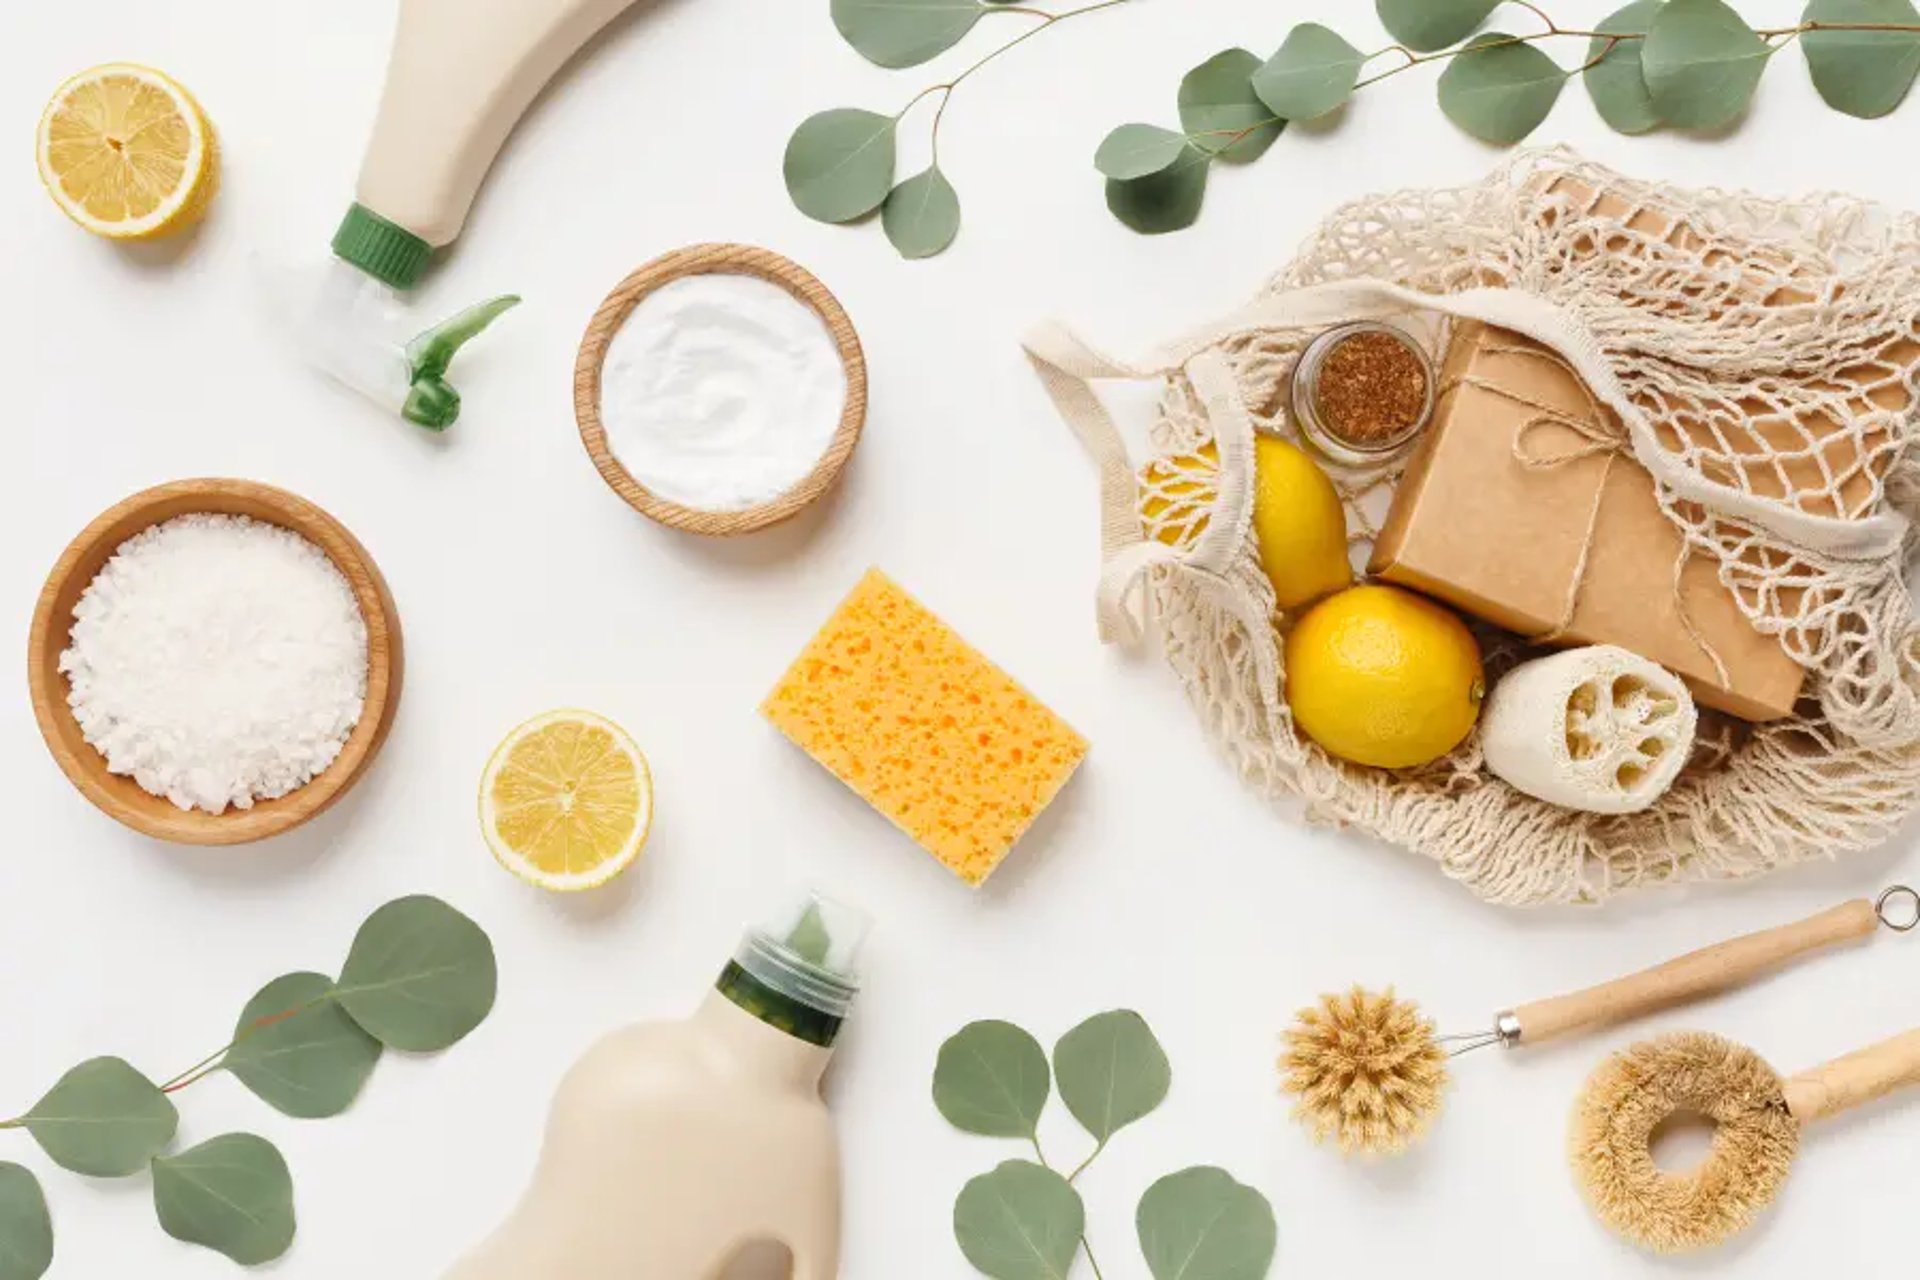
column 1156, row 882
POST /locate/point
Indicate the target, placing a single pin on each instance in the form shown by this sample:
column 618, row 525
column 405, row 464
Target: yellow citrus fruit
column 127, row 153
column 1300, row 523
column 1381, row 676
column 1177, row 494
column 566, row 801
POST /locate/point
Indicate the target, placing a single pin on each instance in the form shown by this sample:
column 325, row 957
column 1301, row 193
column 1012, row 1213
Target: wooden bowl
column 721, row 259
column 123, row 799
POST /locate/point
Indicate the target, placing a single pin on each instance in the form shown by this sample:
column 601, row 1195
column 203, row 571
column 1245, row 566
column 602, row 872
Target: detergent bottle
column 675, row 1149
column 461, row 74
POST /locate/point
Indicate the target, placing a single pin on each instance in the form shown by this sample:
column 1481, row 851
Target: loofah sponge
column 924, row 728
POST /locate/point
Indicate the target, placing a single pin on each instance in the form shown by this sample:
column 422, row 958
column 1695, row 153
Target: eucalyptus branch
column 419, row 976
column 1684, row 64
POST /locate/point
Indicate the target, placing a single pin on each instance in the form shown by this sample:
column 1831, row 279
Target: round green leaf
column 922, row 216
column 1221, row 113
column 1702, row 63
column 231, row 1194
column 1202, row 1225
column 1614, row 79
column 1138, row 150
column 1313, row 73
column 1426, row 25
column 420, row 975
column 1111, row 1072
column 311, row 1064
column 103, row 1119
column 992, row 1079
column 1500, row 91
column 839, row 164
column 1165, row 201
column 26, row 1229
column 1020, row 1222
column 904, row 33
column 1863, row 73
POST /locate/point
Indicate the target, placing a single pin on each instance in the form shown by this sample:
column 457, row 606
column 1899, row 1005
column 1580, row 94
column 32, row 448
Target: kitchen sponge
column 924, row 729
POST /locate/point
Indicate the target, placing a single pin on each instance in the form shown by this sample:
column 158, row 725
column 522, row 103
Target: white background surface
column 1156, row 882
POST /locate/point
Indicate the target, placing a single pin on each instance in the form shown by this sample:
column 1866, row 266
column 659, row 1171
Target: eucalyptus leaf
column 839, row 164
column 1166, row 201
column 420, row 975
column 103, row 1119
column 1313, row 73
column 297, row 1050
column 1020, row 1222
column 1138, row 151
column 1111, row 1071
column 992, row 1079
column 1200, row 1224
column 1220, row 111
column 1702, row 63
column 26, row 1229
column 1863, row 73
column 1500, row 91
column 905, row 33
column 1614, row 78
column 1426, row 25
column 231, row 1194
column 921, row 218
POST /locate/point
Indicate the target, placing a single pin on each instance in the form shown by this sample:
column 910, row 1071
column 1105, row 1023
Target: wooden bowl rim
column 156, row 816
column 718, row 259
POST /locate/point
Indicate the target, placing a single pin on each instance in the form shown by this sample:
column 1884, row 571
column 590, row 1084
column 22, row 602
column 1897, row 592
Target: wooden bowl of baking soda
column 214, row 661
column 720, row 389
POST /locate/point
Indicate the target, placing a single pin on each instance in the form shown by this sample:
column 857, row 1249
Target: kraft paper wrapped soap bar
column 1475, row 525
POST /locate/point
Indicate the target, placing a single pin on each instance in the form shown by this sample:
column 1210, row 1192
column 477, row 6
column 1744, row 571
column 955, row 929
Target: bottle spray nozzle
column 355, row 329
column 432, row 401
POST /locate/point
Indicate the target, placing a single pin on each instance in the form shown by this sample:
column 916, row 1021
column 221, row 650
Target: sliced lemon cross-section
column 567, row 801
column 126, row 152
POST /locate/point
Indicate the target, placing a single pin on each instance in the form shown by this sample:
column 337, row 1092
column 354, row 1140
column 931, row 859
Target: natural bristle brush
column 1370, row 1070
column 1757, row 1116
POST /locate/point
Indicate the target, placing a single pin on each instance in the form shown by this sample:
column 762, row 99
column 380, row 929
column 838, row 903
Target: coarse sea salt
column 217, row 660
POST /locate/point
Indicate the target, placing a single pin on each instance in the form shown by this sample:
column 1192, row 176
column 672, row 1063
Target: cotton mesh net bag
column 1760, row 359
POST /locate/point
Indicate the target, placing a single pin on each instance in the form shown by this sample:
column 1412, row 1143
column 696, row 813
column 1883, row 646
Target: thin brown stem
column 1539, row 13
column 212, row 1062
column 1047, row 22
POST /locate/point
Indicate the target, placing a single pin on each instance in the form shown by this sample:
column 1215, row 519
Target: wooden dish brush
column 1757, row 1117
column 1370, row 1071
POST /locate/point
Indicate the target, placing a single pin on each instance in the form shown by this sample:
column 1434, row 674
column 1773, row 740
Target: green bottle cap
column 384, row 250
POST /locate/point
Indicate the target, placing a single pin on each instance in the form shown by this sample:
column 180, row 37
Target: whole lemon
column 1300, row 522
column 1381, row 676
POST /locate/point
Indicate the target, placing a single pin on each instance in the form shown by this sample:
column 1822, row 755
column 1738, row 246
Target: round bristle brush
column 1757, row 1116
column 1369, row 1070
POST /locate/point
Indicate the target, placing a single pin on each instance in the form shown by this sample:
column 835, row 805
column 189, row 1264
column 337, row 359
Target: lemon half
column 126, row 152
column 566, row 802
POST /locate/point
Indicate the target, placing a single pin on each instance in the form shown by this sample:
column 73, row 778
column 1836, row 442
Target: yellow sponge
column 924, row 728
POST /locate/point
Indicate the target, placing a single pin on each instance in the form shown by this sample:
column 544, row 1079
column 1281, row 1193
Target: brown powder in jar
column 1371, row 389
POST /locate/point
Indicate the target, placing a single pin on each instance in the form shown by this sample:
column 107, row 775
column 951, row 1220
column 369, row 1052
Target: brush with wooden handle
column 1757, row 1116
column 1369, row 1069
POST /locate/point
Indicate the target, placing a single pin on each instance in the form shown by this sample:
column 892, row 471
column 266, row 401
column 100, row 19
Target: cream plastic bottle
column 675, row 1149
column 461, row 74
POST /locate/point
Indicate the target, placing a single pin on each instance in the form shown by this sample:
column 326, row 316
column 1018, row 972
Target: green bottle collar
column 382, row 248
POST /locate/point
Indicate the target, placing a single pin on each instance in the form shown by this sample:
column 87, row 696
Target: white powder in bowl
column 218, row 660
column 721, row 391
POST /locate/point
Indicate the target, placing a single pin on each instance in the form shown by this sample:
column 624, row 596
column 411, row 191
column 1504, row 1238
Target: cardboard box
column 1474, row 525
